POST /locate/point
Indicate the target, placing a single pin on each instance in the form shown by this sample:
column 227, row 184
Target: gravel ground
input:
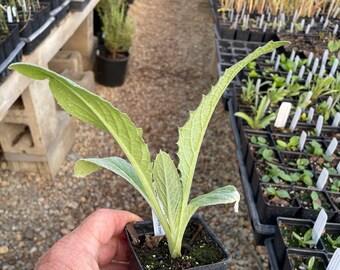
column 169, row 70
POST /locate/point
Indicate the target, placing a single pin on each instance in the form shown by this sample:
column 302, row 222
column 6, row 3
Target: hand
column 98, row 241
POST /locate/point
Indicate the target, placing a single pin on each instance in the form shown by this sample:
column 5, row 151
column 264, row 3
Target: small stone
column 4, row 165
column 4, row 250
column 72, row 205
column 29, row 234
column 82, row 199
column 64, row 231
column 33, row 250
column 21, row 244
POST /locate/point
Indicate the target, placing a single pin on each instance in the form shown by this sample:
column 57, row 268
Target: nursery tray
column 60, row 12
column 15, row 56
column 269, row 244
column 261, row 231
column 78, row 5
column 38, row 36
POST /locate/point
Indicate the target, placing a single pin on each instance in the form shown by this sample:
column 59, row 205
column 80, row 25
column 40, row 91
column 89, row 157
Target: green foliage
column 305, row 240
column 118, row 29
column 335, row 187
column 333, row 45
column 320, row 88
column 281, row 193
column 323, row 109
column 286, row 64
column 293, row 88
column 292, row 145
column 256, row 120
column 173, row 186
column 334, row 243
column 248, row 92
column 276, row 94
column 314, row 148
column 275, row 174
column 316, row 201
column 278, row 80
column 306, row 177
column 259, row 140
column 267, row 154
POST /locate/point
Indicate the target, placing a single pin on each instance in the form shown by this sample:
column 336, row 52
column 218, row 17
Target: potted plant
column 160, row 183
column 112, row 58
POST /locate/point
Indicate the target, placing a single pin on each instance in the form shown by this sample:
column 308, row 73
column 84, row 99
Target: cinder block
column 84, row 79
column 48, row 164
column 64, row 59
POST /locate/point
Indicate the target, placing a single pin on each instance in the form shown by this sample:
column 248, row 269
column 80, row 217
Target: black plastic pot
column 268, row 212
column 146, row 228
column 290, row 224
column 242, row 35
column 256, row 36
column 334, row 230
column 110, row 72
column 295, row 255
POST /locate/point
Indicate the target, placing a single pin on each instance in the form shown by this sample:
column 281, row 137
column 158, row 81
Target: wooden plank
column 15, row 84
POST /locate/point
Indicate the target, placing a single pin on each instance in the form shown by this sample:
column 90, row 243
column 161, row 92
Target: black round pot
column 110, row 72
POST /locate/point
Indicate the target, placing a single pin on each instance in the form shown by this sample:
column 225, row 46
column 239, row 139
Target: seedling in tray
column 292, row 145
column 331, row 241
column 304, row 240
column 277, row 196
column 275, row 174
column 335, row 187
column 305, row 177
column 259, row 140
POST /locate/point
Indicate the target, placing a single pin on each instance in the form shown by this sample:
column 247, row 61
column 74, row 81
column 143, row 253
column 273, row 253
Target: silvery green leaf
column 168, row 186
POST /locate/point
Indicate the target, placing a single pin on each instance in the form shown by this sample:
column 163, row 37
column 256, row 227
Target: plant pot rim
column 123, row 59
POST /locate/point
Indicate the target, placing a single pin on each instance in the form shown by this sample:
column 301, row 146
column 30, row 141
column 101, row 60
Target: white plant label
column 277, row 63
column 312, row 22
column 14, row 11
column 295, row 119
column 310, row 58
column 272, row 57
column 325, row 57
column 323, row 177
column 335, row 261
column 265, row 27
column 325, row 24
column 319, row 225
column 321, row 19
column 258, row 84
column 292, row 55
column 309, row 78
column 332, row 147
column 310, row 115
column 319, row 124
column 302, row 71
column 334, row 67
column 289, row 76
column 292, row 28
column 296, row 61
column 338, row 168
column 336, row 27
column 261, row 21
column 9, row 15
column 308, row 96
column 322, row 71
column 307, row 29
column 302, row 24
column 329, row 101
column 283, row 114
column 315, row 65
column 157, row 226
column 336, row 120
column 302, row 140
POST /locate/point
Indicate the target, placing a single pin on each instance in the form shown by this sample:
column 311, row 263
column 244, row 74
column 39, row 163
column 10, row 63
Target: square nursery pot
column 200, row 245
column 307, row 211
column 284, row 239
column 242, row 35
column 298, row 259
column 333, row 229
column 270, row 207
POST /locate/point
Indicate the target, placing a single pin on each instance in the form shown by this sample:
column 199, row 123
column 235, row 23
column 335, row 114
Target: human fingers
column 115, row 266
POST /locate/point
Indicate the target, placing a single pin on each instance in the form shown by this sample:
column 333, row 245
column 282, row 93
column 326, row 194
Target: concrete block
column 47, row 165
column 84, row 79
column 65, row 59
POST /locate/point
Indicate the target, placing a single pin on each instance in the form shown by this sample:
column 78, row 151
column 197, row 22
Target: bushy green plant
column 172, row 206
column 118, row 29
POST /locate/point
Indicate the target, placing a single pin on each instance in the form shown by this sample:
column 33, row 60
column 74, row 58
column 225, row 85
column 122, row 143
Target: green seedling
column 292, row 145
column 278, row 80
column 333, row 243
column 305, row 240
column 280, row 193
column 248, row 92
column 259, row 140
column 306, row 177
column 293, row 88
column 275, row 174
column 172, row 205
column 314, row 148
column 309, row 266
column 335, row 187
column 317, row 204
column 286, row 64
column 257, row 120
column 276, row 94
column 267, row 154
column 321, row 87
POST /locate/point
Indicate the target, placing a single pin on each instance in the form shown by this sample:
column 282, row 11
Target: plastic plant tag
column 272, row 57
column 282, row 115
column 329, row 101
column 319, row 124
column 295, row 16
column 323, row 177
column 312, row 22
column 336, row 120
column 332, row 147
column 336, row 13
column 302, row 140
column 334, row 67
column 315, row 65
column 325, row 57
column 321, row 19
column 292, row 55
column 265, row 108
column 157, row 226
column 338, row 168
column 302, row 24
column 335, row 261
column 310, row 115
column 325, row 24
column 289, row 76
column 261, row 21
column 310, row 58
column 319, row 225
column 307, row 29
column 277, row 63
column 322, row 71
column 308, row 96
column 296, row 61
column 274, row 23
column 302, row 71
column 335, row 30
column 265, row 27
column 269, row 16
column 309, row 78
column 258, row 84
column 24, row 8
column 295, row 119
column 9, row 15
column 291, row 28
column 14, row 11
